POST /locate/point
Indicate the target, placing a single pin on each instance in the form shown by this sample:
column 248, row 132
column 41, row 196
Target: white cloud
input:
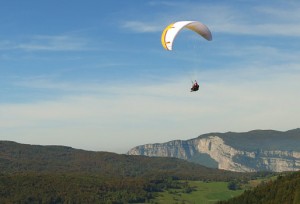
column 141, row 27
column 286, row 12
column 165, row 3
column 269, row 20
column 263, row 29
column 227, row 19
column 54, row 43
column 47, row 43
column 118, row 118
column 49, row 83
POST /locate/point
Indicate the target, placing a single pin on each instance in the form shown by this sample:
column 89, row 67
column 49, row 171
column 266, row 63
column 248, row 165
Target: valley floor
column 202, row 192
column 205, row 192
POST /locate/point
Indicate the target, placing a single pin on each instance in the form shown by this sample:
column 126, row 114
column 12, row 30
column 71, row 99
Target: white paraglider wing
column 171, row 31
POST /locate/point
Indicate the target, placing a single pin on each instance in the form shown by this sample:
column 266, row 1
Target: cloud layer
column 154, row 112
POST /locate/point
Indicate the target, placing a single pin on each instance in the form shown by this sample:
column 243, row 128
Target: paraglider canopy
column 170, row 32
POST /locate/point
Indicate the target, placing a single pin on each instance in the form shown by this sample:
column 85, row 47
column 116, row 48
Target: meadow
column 200, row 192
column 207, row 192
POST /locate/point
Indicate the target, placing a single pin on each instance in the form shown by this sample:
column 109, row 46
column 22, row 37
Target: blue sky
column 93, row 74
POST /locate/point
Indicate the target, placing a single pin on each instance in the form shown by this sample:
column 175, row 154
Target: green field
column 203, row 192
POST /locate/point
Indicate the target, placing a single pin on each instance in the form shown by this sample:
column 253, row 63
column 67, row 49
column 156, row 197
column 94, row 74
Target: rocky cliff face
column 216, row 149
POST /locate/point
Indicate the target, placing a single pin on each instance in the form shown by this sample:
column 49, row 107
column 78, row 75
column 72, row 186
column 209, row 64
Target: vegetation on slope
column 16, row 157
column 55, row 174
column 77, row 188
column 285, row 189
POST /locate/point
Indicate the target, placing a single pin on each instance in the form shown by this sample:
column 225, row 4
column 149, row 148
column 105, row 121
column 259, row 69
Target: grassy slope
column 207, row 192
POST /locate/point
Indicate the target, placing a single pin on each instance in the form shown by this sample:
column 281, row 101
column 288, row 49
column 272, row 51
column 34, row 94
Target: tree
column 233, row 185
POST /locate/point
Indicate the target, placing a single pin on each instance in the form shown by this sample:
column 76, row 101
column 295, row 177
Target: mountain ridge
column 255, row 150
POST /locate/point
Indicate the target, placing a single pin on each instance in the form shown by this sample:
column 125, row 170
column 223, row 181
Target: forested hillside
column 22, row 158
column 56, row 174
column 286, row 189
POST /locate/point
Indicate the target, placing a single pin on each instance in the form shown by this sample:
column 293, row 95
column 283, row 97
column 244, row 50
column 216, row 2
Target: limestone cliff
column 243, row 152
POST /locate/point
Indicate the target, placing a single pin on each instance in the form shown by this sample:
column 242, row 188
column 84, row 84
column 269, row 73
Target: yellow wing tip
column 163, row 36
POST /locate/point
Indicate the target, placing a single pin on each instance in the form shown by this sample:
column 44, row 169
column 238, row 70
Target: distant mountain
column 257, row 150
column 15, row 157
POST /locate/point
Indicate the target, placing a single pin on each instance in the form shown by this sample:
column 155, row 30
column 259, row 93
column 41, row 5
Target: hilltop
column 15, row 157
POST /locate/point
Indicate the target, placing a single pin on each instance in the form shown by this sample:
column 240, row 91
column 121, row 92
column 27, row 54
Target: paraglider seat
column 195, row 88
